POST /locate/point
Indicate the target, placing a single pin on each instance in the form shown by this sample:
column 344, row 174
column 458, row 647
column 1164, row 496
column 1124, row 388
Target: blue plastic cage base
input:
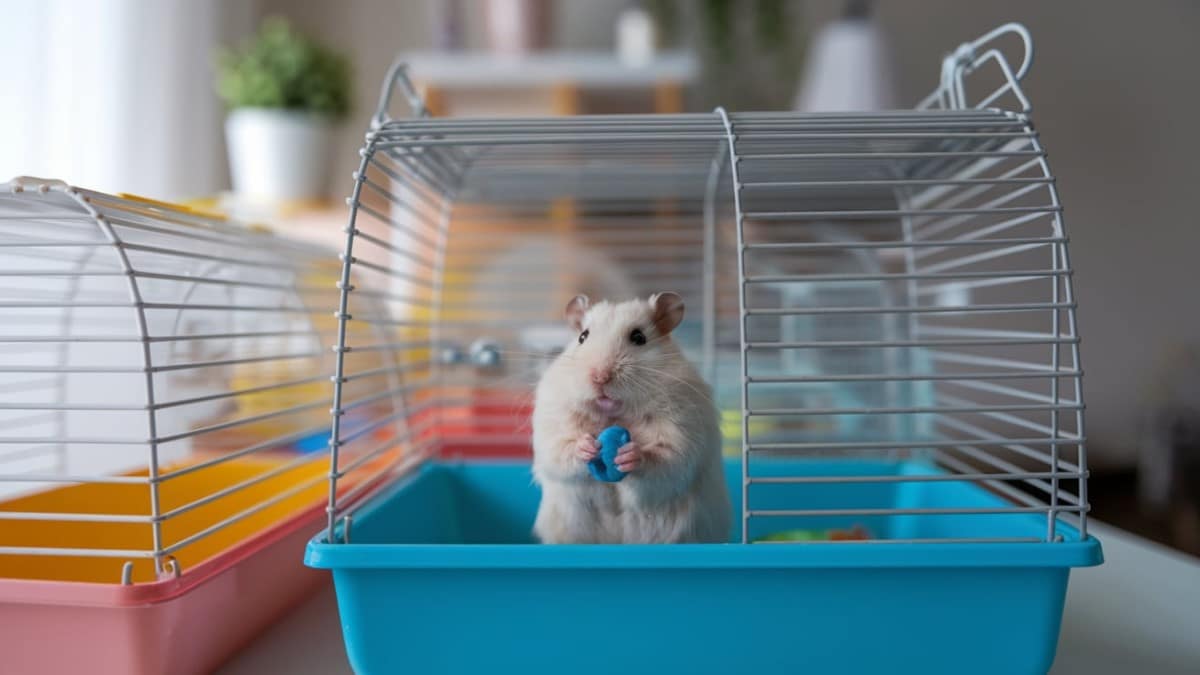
column 442, row 576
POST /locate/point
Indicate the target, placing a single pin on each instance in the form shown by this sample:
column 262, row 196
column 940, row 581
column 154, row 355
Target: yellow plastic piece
column 731, row 424
column 134, row 499
column 173, row 206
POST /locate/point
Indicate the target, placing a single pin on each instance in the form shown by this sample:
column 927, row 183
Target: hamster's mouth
column 606, row 405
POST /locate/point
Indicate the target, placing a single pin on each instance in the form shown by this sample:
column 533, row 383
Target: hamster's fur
column 624, row 369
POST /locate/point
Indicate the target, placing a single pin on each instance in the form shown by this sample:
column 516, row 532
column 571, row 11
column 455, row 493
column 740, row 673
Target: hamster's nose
column 601, row 375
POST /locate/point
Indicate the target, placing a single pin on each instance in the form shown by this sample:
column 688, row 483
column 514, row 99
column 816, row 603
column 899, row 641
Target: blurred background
column 123, row 96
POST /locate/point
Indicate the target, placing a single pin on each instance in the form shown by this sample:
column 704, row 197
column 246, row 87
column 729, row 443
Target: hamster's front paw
column 629, row 457
column 586, row 448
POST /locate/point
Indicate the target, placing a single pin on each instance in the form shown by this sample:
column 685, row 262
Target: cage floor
column 126, row 499
column 448, row 553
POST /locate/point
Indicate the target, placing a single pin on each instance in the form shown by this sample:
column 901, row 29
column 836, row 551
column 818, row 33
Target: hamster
column 623, row 368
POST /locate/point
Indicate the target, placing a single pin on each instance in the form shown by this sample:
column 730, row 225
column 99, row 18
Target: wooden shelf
column 552, row 82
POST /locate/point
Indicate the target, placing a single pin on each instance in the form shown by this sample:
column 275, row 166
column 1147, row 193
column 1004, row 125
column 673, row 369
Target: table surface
column 1139, row 613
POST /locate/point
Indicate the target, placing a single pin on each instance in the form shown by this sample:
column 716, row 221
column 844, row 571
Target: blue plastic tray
column 442, row 577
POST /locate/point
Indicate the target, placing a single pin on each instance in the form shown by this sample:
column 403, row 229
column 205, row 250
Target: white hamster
column 623, row 368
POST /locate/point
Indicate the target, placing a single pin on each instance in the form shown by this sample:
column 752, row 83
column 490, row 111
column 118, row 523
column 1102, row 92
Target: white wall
column 115, row 95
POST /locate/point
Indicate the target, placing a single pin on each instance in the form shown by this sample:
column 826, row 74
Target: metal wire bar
column 977, row 511
column 243, row 514
column 402, row 204
column 225, row 259
column 1001, row 416
column 973, row 450
column 389, row 271
column 1011, row 392
column 384, row 346
column 389, row 444
column 983, row 233
column 70, row 478
column 898, row 445
column 407, row 388
column 436, row 179
column 740, row 220
column 395, row 249
column 921, row 309
column 242, row 485
column 76, row 552
column 946, row 196
column 77, row 517
column 1003, row 277
column 1006, row 489
column 910, row 410
column 399, row 466
column 419, row 366
column 909, row 540
column 979, row 433
column 944, row 243
column 418, row 215
column 931, row 478
column 975, row 284
column 243, row 421
column 234, row 393
column 24, row 454
column 990, row 361
column 911, row 377
column 1061, row 258
column 240, row 282
column 891, row 213
column 135, row 296
column 893, row 183
column 269, row 444
column 871, row 344
column 376, row 424
column 234, row 240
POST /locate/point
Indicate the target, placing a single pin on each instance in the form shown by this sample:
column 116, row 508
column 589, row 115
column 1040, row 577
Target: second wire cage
column 882, row 303
column 164, row 397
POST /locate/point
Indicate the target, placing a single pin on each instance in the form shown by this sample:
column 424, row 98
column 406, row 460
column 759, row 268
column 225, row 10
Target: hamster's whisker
column 672, row 376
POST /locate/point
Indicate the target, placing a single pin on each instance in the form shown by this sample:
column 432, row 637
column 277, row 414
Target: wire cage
column 164, row 397
column 882, row 304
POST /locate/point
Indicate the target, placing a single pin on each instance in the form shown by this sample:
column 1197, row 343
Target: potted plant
column 285, row 94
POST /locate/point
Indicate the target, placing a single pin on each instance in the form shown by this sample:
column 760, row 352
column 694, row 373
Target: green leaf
column 281, row 68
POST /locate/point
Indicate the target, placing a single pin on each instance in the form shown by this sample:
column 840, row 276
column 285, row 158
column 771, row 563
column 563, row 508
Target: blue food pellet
column 604, row 466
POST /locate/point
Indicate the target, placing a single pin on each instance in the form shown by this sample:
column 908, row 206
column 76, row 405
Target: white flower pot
column 278, row 155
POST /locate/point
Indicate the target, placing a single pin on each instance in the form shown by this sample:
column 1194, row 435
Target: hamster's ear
column 668, row 311
column 576, row 308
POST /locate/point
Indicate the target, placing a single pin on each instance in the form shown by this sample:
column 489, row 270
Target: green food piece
column 795, row 535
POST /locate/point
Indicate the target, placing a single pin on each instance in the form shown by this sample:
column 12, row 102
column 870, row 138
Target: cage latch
column 398, row 74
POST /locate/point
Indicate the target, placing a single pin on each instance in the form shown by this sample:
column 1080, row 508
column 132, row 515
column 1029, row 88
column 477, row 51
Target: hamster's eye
column 583, row 336
column 637, row 337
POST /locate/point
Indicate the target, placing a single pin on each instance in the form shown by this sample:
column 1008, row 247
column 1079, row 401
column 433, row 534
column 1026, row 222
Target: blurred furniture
column 1136, row 613
column 554, row 82
column 848, row 66
column 466, row 83
column 316, row 222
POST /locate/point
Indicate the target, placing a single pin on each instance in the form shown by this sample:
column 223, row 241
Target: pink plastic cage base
column 189, row 624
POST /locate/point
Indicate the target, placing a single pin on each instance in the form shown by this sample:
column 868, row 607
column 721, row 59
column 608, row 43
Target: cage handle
column 970, row 56
column 398, row 74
